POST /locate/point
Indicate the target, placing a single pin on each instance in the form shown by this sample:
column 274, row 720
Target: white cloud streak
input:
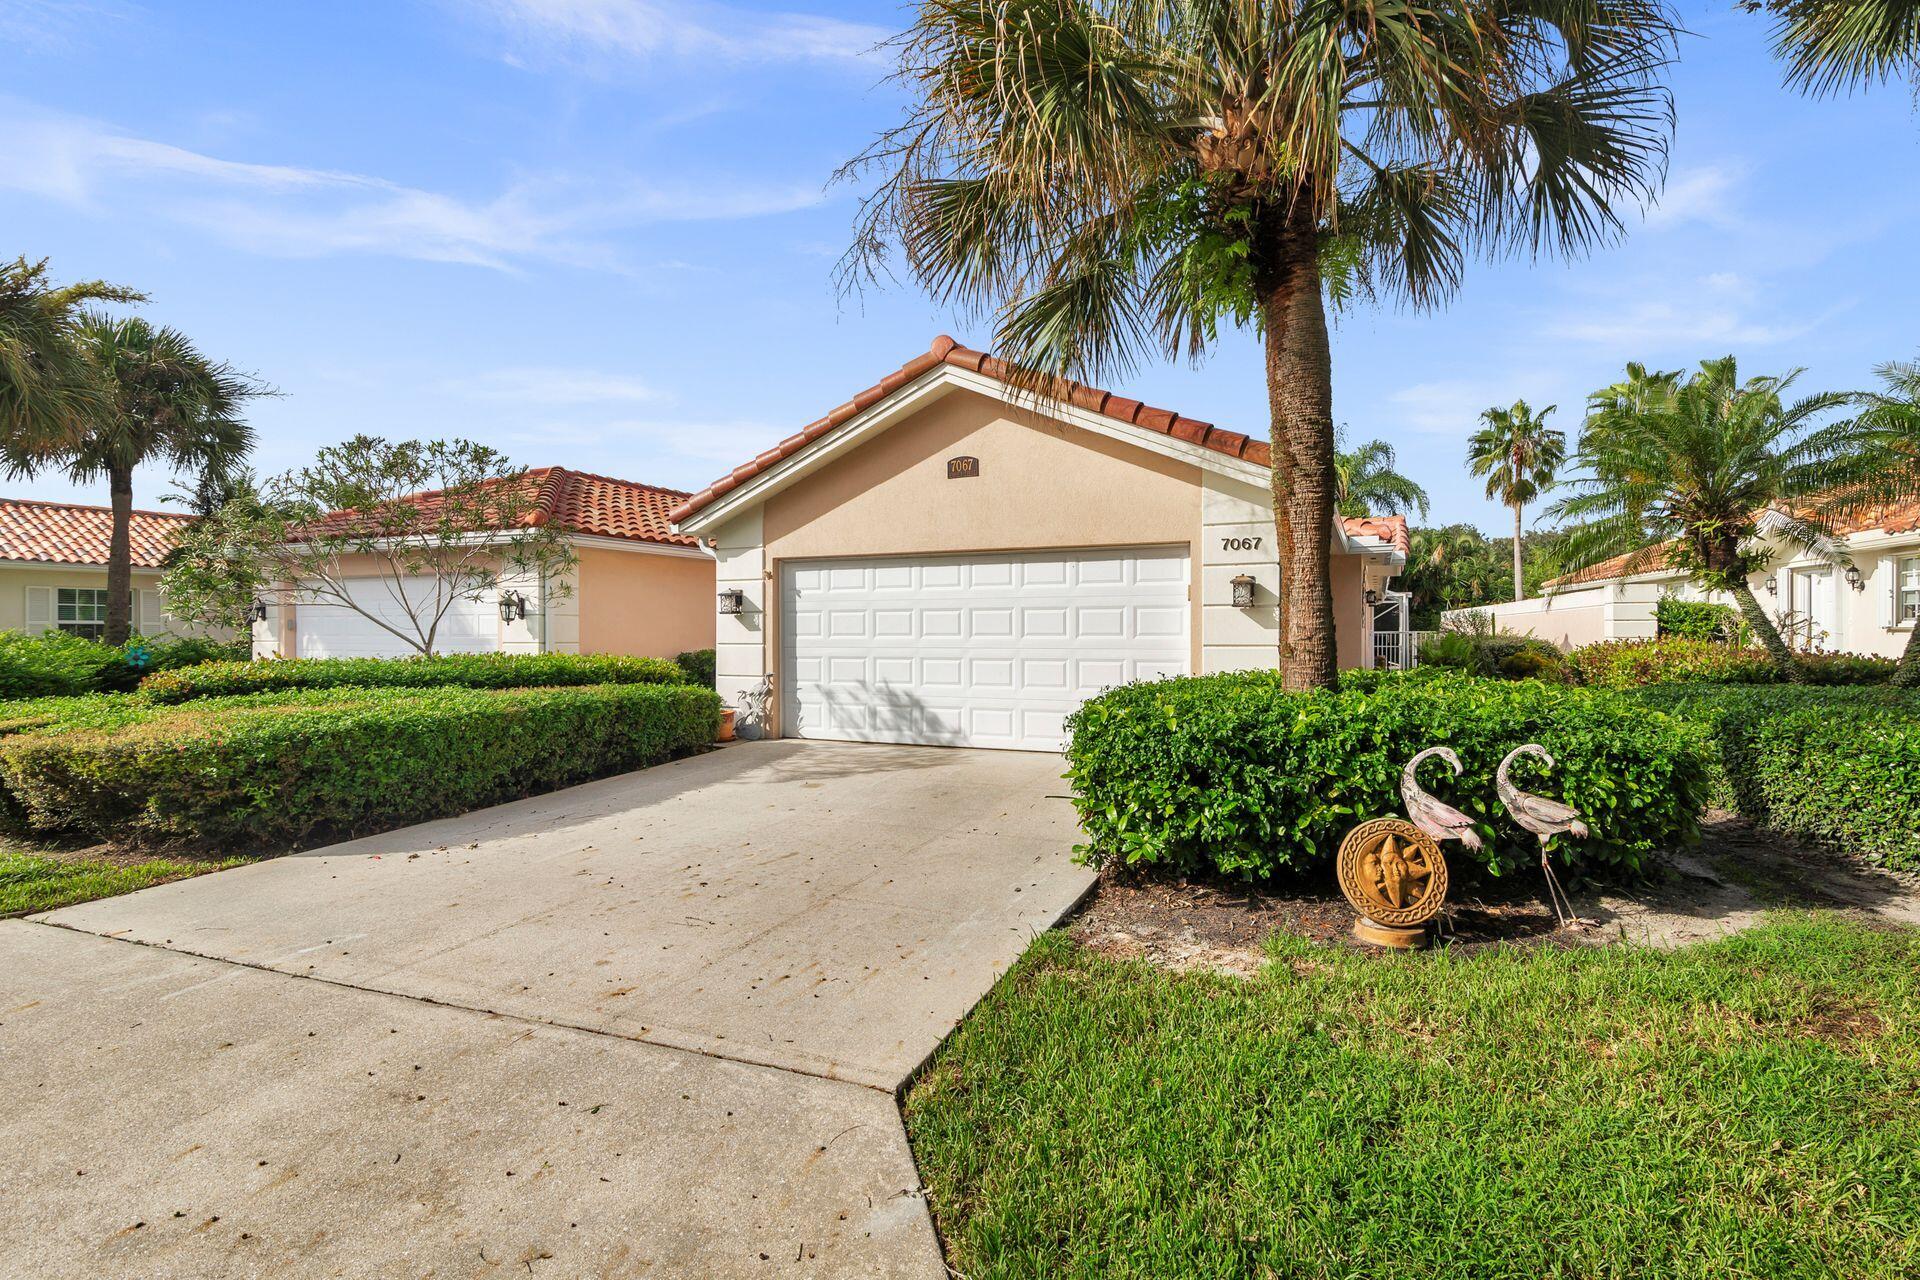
column 292, row 211
column 649, row 29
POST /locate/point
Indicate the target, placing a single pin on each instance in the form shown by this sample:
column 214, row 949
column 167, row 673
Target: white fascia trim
column 1372, row 546
column 1878, row 540
column 641, row 548
column 924, row 390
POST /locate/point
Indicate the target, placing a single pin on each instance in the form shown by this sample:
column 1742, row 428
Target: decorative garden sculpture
column 1441, row 821
column 1393, row 874
column 1545, row 818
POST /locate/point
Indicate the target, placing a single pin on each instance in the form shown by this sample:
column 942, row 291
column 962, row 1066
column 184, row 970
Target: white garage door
column 975, row 651
column 328, row 630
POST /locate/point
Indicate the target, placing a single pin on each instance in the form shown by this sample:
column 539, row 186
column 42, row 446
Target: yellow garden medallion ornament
column 1393, row 874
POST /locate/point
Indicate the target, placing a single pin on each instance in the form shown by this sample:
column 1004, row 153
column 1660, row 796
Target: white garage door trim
column 327, row 630
column 974, row 651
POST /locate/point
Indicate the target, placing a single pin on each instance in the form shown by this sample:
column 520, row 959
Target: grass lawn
column 34, row 882
column 1749, row 1107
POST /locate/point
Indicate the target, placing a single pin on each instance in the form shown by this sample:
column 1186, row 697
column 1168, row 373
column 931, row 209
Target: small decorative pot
column 726, row 724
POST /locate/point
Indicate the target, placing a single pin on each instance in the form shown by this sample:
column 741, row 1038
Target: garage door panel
column 980, row 651
column 328, row 630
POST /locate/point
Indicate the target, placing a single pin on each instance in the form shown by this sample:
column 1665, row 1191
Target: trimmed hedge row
column 1232, row 773
column 1629, row 664
column 1838, row 766
column 463, row 670
column 256, row 772
column 56, row 664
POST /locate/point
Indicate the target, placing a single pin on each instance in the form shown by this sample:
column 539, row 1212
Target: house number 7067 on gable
column 1239, row 544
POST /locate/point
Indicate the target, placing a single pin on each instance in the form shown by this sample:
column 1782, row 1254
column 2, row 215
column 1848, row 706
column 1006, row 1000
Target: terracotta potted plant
column 726, row 725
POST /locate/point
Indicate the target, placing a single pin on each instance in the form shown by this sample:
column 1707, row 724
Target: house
column 638, row 587
column 1868, row 608
column 948, row 559
column 53, row 568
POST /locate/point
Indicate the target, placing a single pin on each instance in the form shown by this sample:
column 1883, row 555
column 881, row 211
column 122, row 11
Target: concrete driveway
column 654, row 1025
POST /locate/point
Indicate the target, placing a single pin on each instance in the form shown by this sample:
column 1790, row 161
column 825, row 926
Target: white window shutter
column 149, row 612
column 39, row 610
column 1890, row 598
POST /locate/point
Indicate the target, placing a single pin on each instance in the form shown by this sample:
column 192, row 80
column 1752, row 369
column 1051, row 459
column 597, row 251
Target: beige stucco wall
column 640, row 603
column 1043, row 485
column 149, row 617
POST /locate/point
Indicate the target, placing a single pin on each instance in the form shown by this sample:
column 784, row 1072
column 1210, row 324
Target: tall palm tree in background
column 1876, row 463
column 165, row 402
column 1367, row 481
column 49, row 389
column 1116, row 178
column 1831, row 45
column 1701, row 467
column 1519, row 455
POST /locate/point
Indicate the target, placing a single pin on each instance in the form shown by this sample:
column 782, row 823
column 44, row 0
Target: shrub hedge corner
column 261, row 772
column 1234, row 774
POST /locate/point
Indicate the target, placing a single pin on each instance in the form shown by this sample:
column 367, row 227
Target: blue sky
column 598, row 233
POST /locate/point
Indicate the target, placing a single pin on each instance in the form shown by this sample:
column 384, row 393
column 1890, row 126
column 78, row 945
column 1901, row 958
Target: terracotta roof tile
column 581, row 502
column 71, row 533
column 1392, row 529
column 946, row 351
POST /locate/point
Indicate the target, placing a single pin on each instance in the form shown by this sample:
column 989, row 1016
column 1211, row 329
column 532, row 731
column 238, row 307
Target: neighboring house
column 1870, row 609
column 53, row 568
column 946, row 559
column 639, row 587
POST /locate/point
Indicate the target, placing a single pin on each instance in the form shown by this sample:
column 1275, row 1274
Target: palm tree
column 1519, row 454
column 1702, row 466
column 165, row 402
column 1367, row 481
column 49, row 391
column 1830, row 45
column 1114, row 178
column 1876, row 463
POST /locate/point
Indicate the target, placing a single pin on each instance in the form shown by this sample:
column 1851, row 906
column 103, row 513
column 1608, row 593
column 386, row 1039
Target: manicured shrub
column 1500, row 654
column 466, row 670
column 1627, row 664
column 255, row 773
column 56, row 664
column 1697, row 620
column 1231, row 773
column 698, row 664
column 1838, row 766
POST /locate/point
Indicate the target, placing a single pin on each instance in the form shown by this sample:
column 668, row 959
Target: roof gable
column 579, row 502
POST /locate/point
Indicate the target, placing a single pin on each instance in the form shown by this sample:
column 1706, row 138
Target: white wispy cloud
column 1707, row 194
column 1722, row 310
column 294, row 211
column 52, row 24
column 643, row 29
column 1452, row 406
column 551, row 386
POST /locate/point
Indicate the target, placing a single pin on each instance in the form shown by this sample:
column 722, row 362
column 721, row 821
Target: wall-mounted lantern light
column 1373, row 597
column 1773, row 584
column 258, row 611
column 513, row 606
column 1854, row 580
column 1243, row 591
column 733, row 600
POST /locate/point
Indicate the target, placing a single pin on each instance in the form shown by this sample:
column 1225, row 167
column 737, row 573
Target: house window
column 81, row 611
column 1906, row 590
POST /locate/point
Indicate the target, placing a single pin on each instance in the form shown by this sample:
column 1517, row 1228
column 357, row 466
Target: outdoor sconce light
column 1243, row 591
column 258, row 613
column 732, row 600
column 513, row 606
column 1373, row 597
column 1853, row 579
column 1773, row 584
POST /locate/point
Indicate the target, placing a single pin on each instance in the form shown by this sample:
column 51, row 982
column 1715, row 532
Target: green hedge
column 465, row 670
column 255, row 773
column 1510, row 657
column 56, row 664
column 1232, row 773
column 1838, row 766
column 1697, row 620
column 1628, row 664
column 699, row 666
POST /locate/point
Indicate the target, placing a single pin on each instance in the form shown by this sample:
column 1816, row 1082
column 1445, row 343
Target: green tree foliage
column 453, row 513
column 1835, row 45
column 1518, row 454
column 1703, row 464
column 50, row 391
column 1368, row 481
column 1116, row 178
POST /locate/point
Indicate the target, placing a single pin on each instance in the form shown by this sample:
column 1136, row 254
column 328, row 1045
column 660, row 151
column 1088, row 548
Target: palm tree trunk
column 1519, row 575
column 1762, row 626
column 120, row 557
column 1906, row 672
column 1300, row 400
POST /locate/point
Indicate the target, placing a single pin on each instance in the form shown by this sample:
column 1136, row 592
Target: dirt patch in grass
column 1724, row 885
